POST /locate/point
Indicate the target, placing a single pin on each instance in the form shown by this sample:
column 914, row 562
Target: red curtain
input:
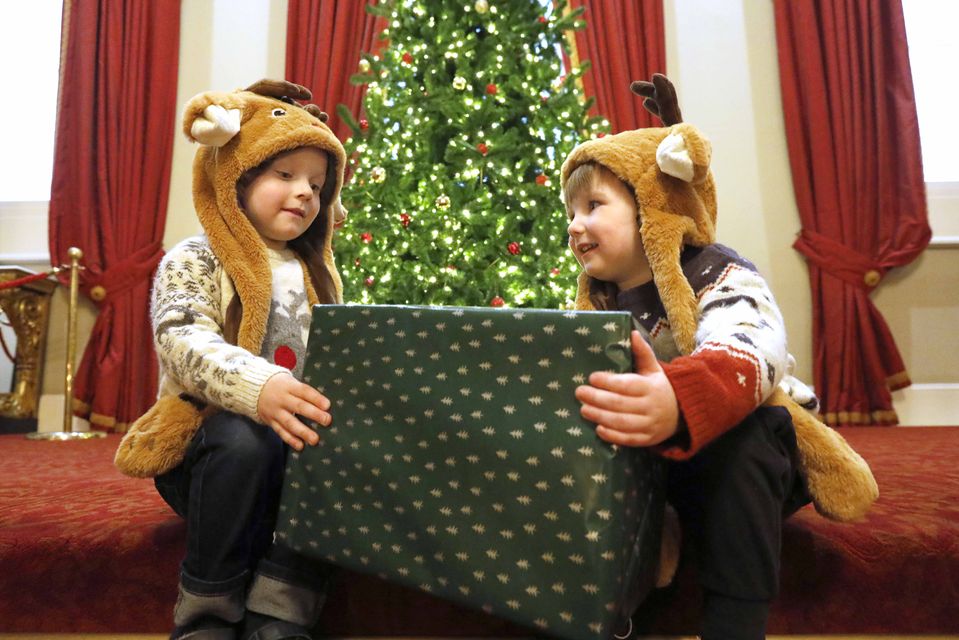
column 114, row 142
column 853, row 138
column 324, row 39
column 624, row 41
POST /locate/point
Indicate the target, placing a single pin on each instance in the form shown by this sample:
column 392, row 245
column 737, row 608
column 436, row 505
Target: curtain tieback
column 838, row 260
column 125, row 274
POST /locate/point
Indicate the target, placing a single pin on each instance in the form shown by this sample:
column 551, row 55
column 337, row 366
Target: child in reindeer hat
column 712, row 391
column 231, row 314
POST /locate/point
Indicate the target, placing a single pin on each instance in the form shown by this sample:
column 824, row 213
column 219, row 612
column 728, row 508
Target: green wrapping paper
column 458, row 463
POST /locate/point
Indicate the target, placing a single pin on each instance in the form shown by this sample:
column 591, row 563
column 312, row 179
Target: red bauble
column 364, row 124
column 541, row 179
column 356, row 262
column 366, row 237
column 491, row 89
column 554, row 271
column 369, row 281
column 482, row 148
column 405, row 219
column 497, row 302
column 542, row 19
column 407, row 58
column 600, row 135
column 513, row 247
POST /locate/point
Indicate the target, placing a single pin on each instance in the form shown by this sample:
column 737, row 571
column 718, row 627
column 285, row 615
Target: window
column 30, row 47
column 30, row 51
column 933, row 52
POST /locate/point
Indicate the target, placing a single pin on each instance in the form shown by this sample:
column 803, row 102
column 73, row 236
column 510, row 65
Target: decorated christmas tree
column 455, row 197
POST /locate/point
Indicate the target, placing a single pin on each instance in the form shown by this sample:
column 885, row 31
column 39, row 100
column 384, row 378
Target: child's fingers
column 294, row 432
column 629, row 384
column 309, row 410
column 620, row 400
column 313, row 396
column 286, row 436
column 626, row 422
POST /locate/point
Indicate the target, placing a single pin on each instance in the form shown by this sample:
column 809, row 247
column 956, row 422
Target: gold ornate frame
column 28, row 309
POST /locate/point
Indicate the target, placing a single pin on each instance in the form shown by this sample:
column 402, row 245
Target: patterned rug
column 85, row 549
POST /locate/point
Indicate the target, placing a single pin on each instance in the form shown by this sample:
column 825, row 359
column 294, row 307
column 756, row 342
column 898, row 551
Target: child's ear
column 684, row 153
column 212, row 118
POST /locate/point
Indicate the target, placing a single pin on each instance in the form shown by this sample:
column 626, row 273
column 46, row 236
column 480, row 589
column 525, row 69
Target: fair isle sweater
column 740, row 353
column 191, row 293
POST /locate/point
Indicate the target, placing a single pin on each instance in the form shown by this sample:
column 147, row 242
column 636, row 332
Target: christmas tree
column 455, row 196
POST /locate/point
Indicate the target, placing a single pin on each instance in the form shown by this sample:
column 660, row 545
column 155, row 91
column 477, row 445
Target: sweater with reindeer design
column 191, row 293
column 740, row 355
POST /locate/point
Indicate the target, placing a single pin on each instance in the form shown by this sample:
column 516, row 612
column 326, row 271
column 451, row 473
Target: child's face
column 604, row 233
column 284, row 200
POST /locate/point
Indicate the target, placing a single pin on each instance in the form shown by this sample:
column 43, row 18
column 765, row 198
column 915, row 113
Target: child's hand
column 632, row 409
column 282, row 398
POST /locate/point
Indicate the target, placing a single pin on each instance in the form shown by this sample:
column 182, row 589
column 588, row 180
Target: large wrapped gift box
column 458, row 463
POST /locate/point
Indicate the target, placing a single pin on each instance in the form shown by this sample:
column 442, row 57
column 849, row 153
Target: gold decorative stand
column 68, row 433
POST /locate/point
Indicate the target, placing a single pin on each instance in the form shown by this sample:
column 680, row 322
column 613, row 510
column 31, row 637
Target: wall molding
column 928, row 405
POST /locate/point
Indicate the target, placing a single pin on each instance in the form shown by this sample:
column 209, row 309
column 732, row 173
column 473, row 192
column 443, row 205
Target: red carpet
column 85, row 549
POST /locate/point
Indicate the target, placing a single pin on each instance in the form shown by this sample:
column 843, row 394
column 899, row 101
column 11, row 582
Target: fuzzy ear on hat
column 684, row 154
column 213, row 118
column 216, row 126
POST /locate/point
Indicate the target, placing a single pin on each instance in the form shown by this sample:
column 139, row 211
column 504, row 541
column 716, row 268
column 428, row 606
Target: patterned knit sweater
column 740, row 353
column 191, row 294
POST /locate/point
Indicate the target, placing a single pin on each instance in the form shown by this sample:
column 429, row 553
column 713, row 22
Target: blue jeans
column 228, row 490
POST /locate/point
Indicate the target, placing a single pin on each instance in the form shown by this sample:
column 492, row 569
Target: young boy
column 642, row 210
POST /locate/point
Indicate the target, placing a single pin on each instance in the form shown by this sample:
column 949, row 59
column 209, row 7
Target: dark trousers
column 732, row 498
column 228, row 490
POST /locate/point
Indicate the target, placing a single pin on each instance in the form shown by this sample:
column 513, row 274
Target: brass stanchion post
column 68, row 433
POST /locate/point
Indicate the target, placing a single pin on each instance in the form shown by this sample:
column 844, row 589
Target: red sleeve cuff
column 714, row 392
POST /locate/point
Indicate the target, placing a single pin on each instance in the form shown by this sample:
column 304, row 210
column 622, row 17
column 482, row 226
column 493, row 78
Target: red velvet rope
column 25, row 280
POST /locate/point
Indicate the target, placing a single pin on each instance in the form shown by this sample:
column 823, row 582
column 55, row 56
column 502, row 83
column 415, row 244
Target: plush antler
column 288, row 92
column 316, row 112
column 660, row 98
column 280, row 89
